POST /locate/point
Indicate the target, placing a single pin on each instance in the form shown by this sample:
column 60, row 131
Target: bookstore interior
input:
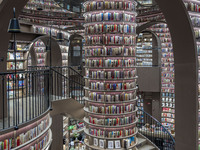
column 100, row 74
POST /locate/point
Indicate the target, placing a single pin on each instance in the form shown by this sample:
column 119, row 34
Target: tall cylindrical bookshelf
column 110, row 77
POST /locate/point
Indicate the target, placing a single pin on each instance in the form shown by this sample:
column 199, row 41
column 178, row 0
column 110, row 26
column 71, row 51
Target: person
column 80, row 137
column 72, row 145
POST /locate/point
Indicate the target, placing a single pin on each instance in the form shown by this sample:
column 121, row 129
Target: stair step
column 146, row 147
column 141, row 141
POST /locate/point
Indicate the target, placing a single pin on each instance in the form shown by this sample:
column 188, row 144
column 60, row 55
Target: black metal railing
column 67, row 82
column 24, row 96
column 28, row 94
column 155, row 131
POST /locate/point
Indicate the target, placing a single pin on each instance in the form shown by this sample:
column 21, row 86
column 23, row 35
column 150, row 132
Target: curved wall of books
column 185, row 58
column 35, row 135
column 148, row 49
column 110, row 91
column 167, row 76
column 39, row 55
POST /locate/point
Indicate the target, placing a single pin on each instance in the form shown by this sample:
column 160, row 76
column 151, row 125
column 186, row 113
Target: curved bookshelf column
column 36, row 135
column 144, row 53
column 167, row 77
column 40, row 50
column 110, row 91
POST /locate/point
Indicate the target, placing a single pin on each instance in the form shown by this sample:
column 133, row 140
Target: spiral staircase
column 72, row 106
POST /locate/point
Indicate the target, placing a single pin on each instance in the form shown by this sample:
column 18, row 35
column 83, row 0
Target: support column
column 185, row 56
column 57, row 132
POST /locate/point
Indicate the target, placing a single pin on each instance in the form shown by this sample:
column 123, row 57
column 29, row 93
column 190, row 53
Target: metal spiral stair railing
column 148, row 126
column 155, row 131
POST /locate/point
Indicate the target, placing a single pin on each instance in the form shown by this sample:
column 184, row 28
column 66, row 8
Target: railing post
column 49, row 84
column 69, row 85
column 7, row 94
column 3, row 113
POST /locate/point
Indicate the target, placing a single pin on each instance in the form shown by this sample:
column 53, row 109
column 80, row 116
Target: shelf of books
column 144, row 53
column 140, row 113
column 48, row 5
column 46, row 12
column 145, row 2
column 73, row 133
column 77, row 129
column 193, row 9
column 83, row 52
column 167, row 76
column 110, row 75
column 46, row 30
column 76, row 135
column 22, row 48
column 40, row 50
column 142, row 11
column 64, row 51
column 158, row 16
column 63, row 46
column 34, row 136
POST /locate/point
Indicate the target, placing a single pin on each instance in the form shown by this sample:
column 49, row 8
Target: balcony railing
column 65, row 82
column 28, row 94
column 69, row 83
column 23, row 97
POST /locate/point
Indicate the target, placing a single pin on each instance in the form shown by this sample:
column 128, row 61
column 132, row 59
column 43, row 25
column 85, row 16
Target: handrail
column 21, row 72
column 59, row 73
column 148, row 126
column 58, row 67
column 148, row 6
column 145, row 66
column 66, row 86
column 75, row 71
column 70, row 68
column 25, row 96
column 65, row 76
column 159, row 124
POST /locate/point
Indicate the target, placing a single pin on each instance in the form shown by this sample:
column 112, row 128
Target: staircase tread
column 146, row 147
column 141, row 140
